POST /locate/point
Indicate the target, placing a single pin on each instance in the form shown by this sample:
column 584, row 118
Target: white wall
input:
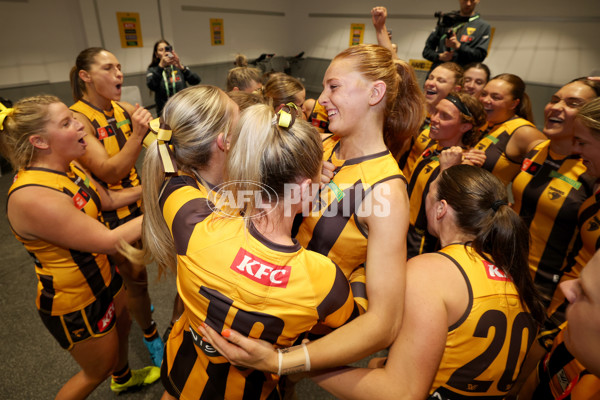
column 542, row 46
column 39, row 39
column 44, row 36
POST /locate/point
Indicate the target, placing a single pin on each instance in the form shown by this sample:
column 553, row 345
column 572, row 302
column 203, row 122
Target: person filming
column 461, row 36
column 166, row 74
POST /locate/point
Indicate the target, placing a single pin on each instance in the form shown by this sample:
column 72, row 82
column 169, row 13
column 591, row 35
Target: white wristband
column 280, row 359
column 307, row 357
column 291, row 362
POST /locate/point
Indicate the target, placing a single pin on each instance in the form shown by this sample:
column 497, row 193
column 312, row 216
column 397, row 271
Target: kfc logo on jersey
column 530, row 167
column 102, row 133
column 494, row 272
column 108, row 317
column 260, row 270
column 80, row 199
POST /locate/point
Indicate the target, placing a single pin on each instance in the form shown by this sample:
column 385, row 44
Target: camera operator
column 460, row 36
column 166, row 74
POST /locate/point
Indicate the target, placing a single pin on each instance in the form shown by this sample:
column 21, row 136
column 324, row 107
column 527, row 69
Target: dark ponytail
column 480, row 202
column 84, row 61
column 517, row 91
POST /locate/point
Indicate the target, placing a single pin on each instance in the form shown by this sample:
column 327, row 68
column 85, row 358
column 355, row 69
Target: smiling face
column 64, row 133
column 474, row 81
column 446, row 124
column 345, row 96
column 439, row 84
column 104, row 78
column 559, row 113
column 498, row 101
column 587, row 145
column 583, row 315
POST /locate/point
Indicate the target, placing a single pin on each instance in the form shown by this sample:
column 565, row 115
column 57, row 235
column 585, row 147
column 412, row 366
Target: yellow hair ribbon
column 163, row 141
column 285, row 119
column 4, row 112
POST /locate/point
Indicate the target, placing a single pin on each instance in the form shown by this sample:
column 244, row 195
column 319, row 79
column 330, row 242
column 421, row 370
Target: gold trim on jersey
column 332, row 228
column 547, row 194
column 494, row 142
column 231, row 276
column 485, row 348
column 68, row 280
column 112, row 129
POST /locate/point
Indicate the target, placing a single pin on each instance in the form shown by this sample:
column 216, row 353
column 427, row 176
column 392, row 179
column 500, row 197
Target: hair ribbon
column 4, row 112
column 163, row 142
column 284, row 116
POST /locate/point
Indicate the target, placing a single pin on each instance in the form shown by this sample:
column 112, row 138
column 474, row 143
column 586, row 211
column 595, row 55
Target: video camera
column 447, row 20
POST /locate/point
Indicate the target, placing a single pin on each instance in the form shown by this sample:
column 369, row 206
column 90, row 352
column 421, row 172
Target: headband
column 284, row 117
column 4, row 112
column 459, row 104
column 163, row 142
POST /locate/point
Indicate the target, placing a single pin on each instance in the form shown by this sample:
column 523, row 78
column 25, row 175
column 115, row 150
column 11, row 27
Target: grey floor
column 33, row 366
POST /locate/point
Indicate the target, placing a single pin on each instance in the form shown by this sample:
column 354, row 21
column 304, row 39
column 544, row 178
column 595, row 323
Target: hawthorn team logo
column 594, row 224
column 554, row 193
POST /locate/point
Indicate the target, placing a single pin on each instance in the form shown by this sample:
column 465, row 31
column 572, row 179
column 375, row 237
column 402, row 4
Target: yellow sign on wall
column 420, row 65
column 357, row 32
column 130, row 29
column 217, row 33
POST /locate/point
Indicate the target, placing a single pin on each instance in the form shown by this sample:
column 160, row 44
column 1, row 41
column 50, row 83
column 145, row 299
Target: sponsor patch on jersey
column 339, row 193
column 427, row 153
column 530, row 167
column 492, row 139
column 108, row 317
column 81, row 198
column 204, row 346
column 466, row 38
column 261, row 271
column 471, row 30
column 105, row 131
column 494, row 272
column 102, row 133
column 124, row 122
column 572, row 182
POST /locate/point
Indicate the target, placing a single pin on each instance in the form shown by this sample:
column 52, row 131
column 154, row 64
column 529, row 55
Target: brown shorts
column 95, row 320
